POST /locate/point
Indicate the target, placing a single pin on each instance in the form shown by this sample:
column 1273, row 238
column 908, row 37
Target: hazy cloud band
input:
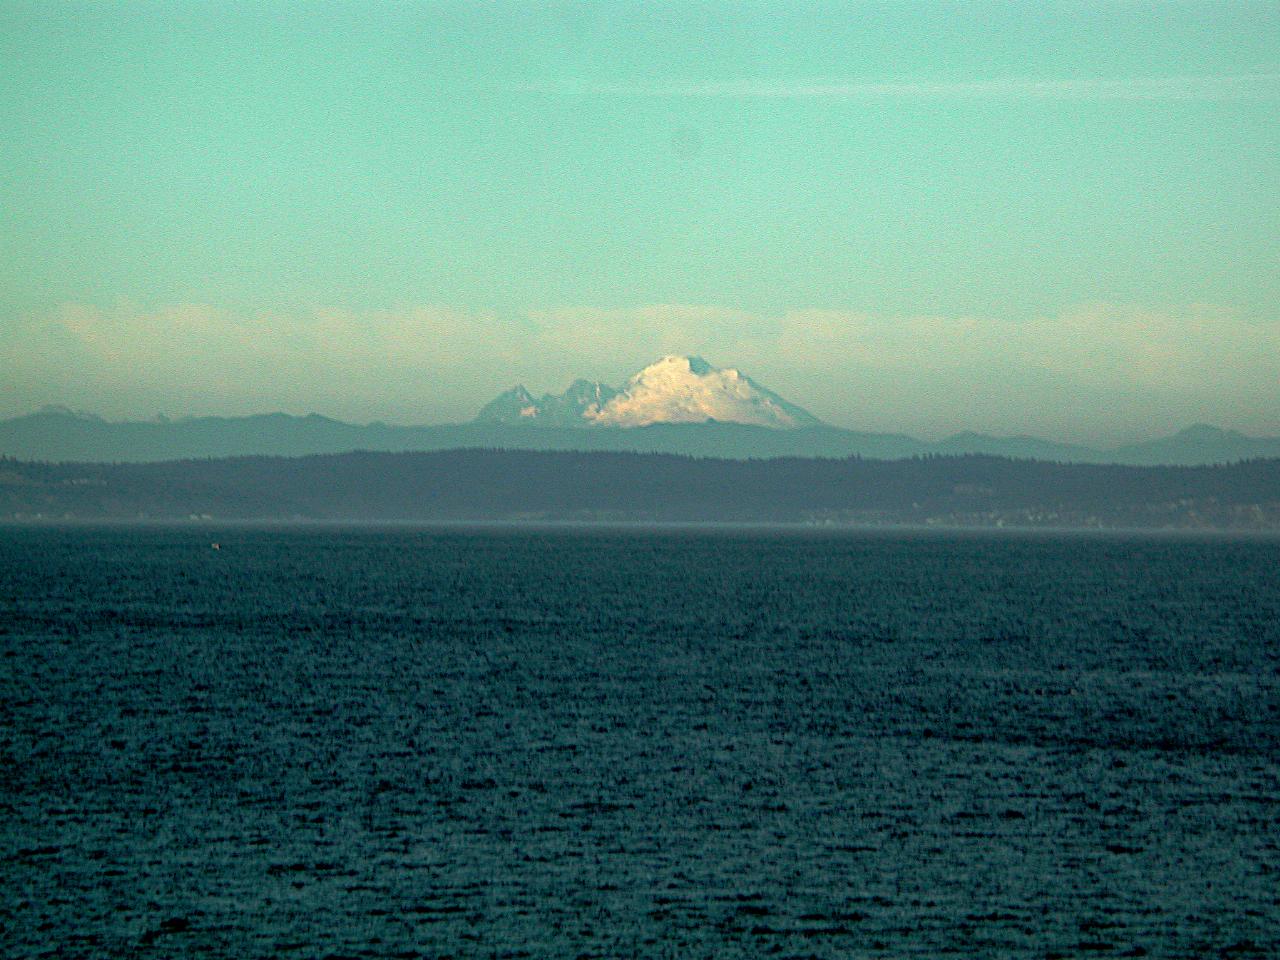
column 1092, row 372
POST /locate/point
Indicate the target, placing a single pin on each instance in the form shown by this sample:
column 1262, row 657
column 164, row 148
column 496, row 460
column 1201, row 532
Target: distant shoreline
column 783, row 528
column 627, row 489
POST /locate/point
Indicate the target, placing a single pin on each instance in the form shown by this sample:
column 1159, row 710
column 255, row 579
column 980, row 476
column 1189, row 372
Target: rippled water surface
column 668, row 743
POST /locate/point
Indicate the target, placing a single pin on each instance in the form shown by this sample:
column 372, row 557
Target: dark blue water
column 602, row 743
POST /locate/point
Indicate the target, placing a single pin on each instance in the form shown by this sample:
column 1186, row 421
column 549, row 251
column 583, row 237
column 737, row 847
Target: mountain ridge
column 674, row 389
column 60, row 435
column 677, row 405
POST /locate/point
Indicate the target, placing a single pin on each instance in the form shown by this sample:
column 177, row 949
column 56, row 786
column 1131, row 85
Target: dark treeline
column 517, row 484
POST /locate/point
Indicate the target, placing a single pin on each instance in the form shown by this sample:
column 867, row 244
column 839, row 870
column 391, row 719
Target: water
column 665, row 743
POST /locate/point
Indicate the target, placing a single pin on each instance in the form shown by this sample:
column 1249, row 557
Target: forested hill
column 493, row 485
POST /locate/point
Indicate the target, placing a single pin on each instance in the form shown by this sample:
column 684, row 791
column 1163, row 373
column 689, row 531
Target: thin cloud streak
column 1261, row 86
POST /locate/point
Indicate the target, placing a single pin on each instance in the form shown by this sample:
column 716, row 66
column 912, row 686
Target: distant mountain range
column 673, row 390
column 679, row 405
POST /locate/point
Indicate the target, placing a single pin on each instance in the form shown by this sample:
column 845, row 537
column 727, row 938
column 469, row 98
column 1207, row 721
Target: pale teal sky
column 1057, row 218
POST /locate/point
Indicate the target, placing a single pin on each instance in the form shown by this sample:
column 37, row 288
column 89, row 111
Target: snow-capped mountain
column 567, row 409
column 673, row 390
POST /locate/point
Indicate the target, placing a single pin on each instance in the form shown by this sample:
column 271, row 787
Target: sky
column 1057, row 218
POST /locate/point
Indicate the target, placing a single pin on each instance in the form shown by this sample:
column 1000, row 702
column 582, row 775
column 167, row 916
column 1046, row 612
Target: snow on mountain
column 512, row 406
column 673, row 390
column 690, row 390
column 568, row 409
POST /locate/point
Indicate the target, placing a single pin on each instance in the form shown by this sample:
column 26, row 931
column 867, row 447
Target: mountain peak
column 673, row 389
column 680, row 389
column 511, row 406
column 693, row 363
